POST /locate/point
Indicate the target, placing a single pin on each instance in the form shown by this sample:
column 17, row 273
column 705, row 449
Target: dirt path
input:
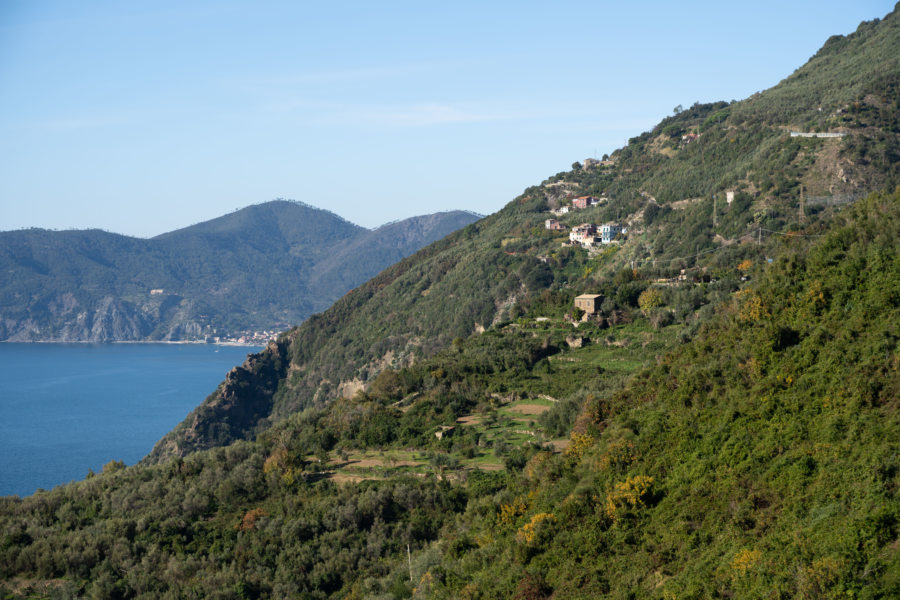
column 341, row 477
column 470, row 420
column 366, row 463
column 489, row 467
column 560, row 445
column 530, row 409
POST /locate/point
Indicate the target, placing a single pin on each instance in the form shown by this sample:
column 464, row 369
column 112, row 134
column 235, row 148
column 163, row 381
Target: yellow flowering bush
column 510, row 512
column 528, row 532
column 579, row 443
column 618, row 454
column 753, row 309
column 276, row 460
column 626, row 495
column 745, row 560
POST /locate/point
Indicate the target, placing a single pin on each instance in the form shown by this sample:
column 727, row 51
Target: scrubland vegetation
column 726, row 425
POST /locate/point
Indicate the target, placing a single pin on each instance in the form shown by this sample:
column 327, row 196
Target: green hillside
column 672, row 195
column 450, row 289
column 725, row 426
column 759, row 459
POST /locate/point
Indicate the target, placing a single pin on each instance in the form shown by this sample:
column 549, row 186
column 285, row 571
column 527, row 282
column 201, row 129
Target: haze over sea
column 66, row 409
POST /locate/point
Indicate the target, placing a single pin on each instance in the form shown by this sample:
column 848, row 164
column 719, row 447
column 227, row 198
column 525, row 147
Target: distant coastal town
column 243, row 338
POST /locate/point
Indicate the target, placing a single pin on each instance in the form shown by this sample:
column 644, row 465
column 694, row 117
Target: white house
column 585, row 234
column 609, row 232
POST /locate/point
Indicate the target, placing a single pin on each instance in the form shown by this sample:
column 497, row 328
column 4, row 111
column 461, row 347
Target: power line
column 691, row 256
column 749, row 235
column 792, row 233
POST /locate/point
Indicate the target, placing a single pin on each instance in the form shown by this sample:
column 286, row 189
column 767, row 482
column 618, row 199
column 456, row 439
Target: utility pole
column 714, row 211
column 409, row 560
column 802, row 208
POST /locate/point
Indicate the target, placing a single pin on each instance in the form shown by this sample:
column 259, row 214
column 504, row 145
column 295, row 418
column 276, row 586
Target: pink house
column 584, row 201
column 554, row 225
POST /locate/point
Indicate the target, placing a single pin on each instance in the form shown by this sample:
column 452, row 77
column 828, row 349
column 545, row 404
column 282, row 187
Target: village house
column 583, row 202
column 560, row 211
column 589, row 303
column 444, row 431
column 816, row 135
column 554, row 225
column 585, row 234
column 609, row 232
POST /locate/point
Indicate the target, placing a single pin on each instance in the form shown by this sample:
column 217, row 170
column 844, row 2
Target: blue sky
column 142, row 117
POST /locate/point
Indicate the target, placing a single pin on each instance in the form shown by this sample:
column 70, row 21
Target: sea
column 68, row 409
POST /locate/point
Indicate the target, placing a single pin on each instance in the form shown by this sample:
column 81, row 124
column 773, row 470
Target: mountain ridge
column 216, row 279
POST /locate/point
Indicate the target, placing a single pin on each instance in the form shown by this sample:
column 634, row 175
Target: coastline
column 71, row 407
column 176, row 342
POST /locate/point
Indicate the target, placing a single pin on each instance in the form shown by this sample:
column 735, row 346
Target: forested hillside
column 669, row 186
column 725, row 425
column 759, row 459
column 265, row 267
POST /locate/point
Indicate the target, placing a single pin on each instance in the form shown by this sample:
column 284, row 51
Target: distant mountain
column 369, row 251
column 264, row 267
